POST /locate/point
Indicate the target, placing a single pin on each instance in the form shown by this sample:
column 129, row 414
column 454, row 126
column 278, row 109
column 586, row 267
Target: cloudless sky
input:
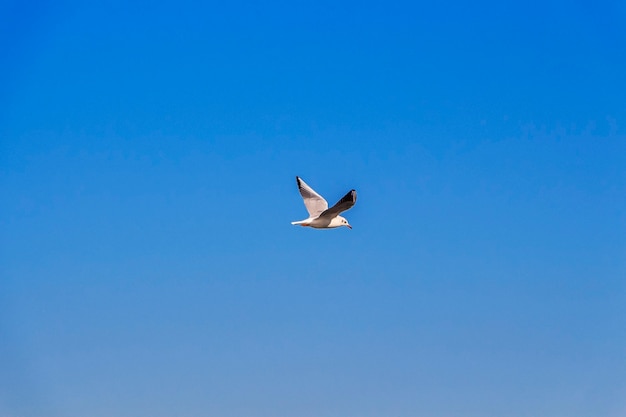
column 148, row 155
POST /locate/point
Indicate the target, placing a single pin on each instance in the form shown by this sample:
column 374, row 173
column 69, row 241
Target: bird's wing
column 344, row 204
column 315, row 203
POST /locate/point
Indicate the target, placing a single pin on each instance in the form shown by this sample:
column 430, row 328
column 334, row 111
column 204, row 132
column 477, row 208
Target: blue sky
column 148, row 155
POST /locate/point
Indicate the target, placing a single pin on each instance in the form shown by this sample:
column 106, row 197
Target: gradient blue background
column 148, row 154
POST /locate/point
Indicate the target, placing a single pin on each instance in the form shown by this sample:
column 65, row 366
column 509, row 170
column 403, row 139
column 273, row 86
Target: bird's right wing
column 315, row 203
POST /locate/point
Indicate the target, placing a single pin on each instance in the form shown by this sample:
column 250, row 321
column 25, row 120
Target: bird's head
column 344, row 222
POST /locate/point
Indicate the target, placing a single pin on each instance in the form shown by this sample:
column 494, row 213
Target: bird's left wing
column 344, row 204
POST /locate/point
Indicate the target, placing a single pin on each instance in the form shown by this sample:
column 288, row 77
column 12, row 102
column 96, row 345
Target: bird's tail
column 300, row 222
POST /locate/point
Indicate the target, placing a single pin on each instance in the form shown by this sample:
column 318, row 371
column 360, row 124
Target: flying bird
column 320, row 216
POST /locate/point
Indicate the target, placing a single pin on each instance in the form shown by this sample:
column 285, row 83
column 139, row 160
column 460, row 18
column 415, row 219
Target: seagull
column 320, row 216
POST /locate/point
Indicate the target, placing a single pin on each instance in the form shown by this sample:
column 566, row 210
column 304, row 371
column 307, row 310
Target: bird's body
column 322, row 222
column 320, row 216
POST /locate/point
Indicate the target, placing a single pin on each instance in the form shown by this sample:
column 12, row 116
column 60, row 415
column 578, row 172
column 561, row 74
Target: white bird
column 320, row 216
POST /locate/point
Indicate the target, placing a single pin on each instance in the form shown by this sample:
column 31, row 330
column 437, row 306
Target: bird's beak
column 348, row 226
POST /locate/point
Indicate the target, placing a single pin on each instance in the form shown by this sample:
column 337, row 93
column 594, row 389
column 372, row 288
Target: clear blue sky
column 147, row 163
